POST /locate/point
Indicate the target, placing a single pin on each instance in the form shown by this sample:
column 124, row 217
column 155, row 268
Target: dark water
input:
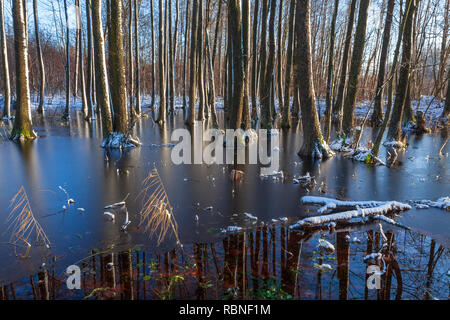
column 265, row 261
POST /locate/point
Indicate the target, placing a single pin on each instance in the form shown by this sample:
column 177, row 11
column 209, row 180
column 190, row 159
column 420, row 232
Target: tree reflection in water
column 268, row 262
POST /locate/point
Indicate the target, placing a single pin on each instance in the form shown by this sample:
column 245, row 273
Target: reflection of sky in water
column 67, row 156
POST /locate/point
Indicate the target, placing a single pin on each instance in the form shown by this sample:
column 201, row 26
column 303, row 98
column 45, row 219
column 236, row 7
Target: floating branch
column 156, row 215
column 22, row 223
column 382, row 209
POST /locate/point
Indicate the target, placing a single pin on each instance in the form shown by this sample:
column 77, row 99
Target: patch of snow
column 117, row 140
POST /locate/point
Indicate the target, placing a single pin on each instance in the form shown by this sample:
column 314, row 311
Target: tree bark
column 66, row 115
column 313, row 143
column 329, row 96
column 395, row 126
column 377, row 116
column 235, row 35
column 101, row 78
column 153, row 54
column 40, row 108
column 355, row 67
column 246, row 54
column 255, row 62
column 337, row 111
column 4, row 64
column 138, row 63
column 22, row 129
column 89, row 64
column 267, row 91
column 192, row 76
column 286, row 119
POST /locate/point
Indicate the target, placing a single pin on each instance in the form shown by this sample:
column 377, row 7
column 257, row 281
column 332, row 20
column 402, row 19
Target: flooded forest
column 224, row 150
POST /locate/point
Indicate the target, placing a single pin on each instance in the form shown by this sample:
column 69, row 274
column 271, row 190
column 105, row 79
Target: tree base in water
column 317, row 150
column 119, row 141
column 23, row 135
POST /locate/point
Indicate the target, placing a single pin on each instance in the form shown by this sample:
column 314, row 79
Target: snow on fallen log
column 390, row 221
column 334, row 204
column 382, row 209
column 441, row 203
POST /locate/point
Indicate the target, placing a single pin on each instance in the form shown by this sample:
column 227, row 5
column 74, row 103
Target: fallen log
column 383, row 208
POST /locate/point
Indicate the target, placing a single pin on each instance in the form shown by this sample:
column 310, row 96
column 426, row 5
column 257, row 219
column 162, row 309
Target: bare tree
column 395, row 129
column 377, row 116
column 22, row 129
column 66, row 115
column 313, row 144
column 162, row 78
column 137, row 57
column 329, row 97
column 101, row 78
column 117, row 68
column 4, row 64
column 40, row 108
column 192, row 76
column 255, row 61
column 355, row 67
column 337, row 110
column 286, row 117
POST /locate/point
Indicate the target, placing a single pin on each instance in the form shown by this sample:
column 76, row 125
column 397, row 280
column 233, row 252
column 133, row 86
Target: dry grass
column 23, row 225
column 156, row 215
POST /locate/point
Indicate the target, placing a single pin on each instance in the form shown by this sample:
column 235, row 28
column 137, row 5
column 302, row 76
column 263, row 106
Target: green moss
column 368, row 159
column 17, row 133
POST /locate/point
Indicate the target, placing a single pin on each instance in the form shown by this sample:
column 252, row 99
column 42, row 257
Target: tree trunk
column 192, row 76
column 162, row 79
column 153, row 54
column 4, row 64
column 267, row 91
column 446, row 111
column 280, row 59
column 136, row 51
column 264, row 97
column 84, row 104
column 66, row 115
column 130, row 62
column 246, row 50
column 40, row 108
column 186, row 33
column 101, row 78
column 355, row 67
column 395, row 126
column 255, row 62
column 117, row 68
column 377, row 144
column 286, row 120
column 313, row 144
column 22, row 129
column 329, row 96
column 199, row 57
column 89, row 64
column 237, row 75
column 337, row 111
column 377, row 116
